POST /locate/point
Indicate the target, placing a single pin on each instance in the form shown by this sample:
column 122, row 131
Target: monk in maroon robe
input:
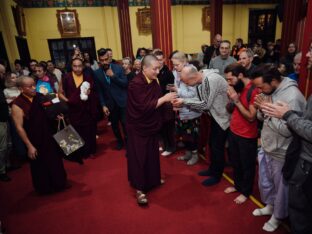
column 82, row 113
column 143, row 125
column 36, row 131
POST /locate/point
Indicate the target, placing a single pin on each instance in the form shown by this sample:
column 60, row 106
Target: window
column 61, row 50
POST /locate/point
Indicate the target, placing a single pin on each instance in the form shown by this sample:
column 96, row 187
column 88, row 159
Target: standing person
column 213, row 50
column 11, row 92
column 32, row 68
column 4, row 118
column 275, row 139
column 243, row 134
column 238, row 48
column 288, row 59
column 298, row 169
column 127, row 68
column 224, row 59
column 112, row 87
column 137, row 66
column 187, row 121
column 144, row 121
column 53, row 70
column 110, row 55
column 89, row 61
column 296, row 66
column 201, row 54
column 141, row 52
column 245, row 59
column 36, row 130
column 165, row 78
column 82, row 108
column 19, row 69
column 300, row 180
column 46, row 82
column 211, row 98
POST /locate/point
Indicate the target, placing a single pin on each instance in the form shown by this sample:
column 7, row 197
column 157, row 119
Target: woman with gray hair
column 187, row 122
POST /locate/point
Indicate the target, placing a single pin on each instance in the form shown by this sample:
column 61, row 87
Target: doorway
column 262, row 25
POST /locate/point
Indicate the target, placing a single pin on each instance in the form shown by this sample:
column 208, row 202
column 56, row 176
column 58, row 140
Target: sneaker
column 193, row 160
column 187, row 156
column 166, row 153
column 4, row 177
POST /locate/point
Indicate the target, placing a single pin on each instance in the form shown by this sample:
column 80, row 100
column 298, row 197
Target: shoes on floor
column 4, row 177
column 119, row 146
column 187, row 156
column 210, row 181
column 166, row 153
column 205, row 173
column 194, row 159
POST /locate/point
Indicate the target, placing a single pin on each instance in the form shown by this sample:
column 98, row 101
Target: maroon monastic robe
column 82, row 114
column 48, row 173
column 143, row 125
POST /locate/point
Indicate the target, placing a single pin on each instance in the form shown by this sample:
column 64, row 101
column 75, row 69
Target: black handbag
column 52, row 105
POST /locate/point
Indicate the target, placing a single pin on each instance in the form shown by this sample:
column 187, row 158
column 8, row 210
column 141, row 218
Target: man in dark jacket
column 112, row 89
column 213, row 50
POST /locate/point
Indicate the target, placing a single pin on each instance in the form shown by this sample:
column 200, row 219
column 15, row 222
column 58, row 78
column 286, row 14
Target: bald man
column 213, row 50
column 212, row 98
column 144, row 122
column 4, row 117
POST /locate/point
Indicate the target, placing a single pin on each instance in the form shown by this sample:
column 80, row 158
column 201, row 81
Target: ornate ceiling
column 99, row 3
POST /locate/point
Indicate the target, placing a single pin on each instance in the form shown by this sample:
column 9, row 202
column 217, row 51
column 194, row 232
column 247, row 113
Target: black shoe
column 210, row 181
column 4, row 178
column 205, row 173
column 119, row 146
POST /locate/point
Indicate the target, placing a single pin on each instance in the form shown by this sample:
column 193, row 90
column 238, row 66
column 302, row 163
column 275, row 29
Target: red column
column 216, row 18
column 305, row 80
column 291, row 16
column 125, row 28
column 161, row 25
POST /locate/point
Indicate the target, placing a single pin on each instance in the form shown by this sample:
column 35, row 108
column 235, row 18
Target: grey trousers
column 3, row 146
column 272, row 186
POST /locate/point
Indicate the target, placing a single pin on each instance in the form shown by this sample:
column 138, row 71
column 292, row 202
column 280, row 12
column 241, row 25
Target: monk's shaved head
column 148, row 60
column 22, row 80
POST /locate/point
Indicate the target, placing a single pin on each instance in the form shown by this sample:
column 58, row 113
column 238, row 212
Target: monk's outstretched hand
column 169, row 97
column 32, row 152
column 178, row 102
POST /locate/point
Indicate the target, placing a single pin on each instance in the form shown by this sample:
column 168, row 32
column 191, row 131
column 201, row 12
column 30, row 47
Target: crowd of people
column 227, row 97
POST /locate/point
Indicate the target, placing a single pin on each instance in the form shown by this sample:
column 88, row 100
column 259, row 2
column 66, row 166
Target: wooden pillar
column 125, row 28
column 161, row 25
column 305, row 79
column 292, row 11
column 216, row 18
